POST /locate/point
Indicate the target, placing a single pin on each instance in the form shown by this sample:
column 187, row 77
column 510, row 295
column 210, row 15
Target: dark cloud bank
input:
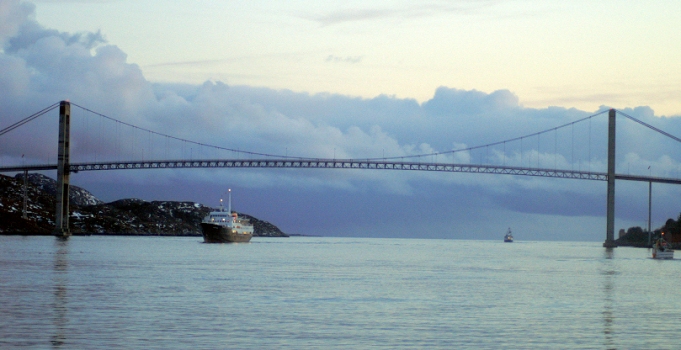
column 40, row 66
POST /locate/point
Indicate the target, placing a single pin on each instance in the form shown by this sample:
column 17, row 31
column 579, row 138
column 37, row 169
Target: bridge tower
column 61, row 223
column 610, row 226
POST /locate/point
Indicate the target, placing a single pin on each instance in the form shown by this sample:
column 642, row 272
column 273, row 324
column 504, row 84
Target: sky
column 357, row 80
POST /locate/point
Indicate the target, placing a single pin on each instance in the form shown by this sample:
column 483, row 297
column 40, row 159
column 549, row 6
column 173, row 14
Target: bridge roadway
column 340, row 164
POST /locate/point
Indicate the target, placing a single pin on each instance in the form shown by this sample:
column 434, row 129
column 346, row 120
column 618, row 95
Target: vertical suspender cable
column 538, row 148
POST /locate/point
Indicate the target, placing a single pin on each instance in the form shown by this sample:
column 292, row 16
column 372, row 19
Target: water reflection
column 60, row 291
column 608, row 274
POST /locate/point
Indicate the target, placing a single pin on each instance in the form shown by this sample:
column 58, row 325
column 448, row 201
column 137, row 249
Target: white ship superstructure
column 226, row 226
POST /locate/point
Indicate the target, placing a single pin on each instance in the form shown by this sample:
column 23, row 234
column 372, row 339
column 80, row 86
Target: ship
column 509, row 237
column 662, row 250
column 226, row 226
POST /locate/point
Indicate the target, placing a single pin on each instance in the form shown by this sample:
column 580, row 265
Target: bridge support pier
column 610, row 227
column 61, row 222
column 650, row 209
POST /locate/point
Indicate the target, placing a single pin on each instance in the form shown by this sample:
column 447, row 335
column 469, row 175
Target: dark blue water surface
column 333, row 293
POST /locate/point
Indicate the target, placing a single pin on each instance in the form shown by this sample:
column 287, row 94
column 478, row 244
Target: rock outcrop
column 77, row 195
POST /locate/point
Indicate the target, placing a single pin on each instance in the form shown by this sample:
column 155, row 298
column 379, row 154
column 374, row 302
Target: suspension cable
column 186, row 140
column 499, row 142
column 294, row 157
column 28, row 119
column 651, row 127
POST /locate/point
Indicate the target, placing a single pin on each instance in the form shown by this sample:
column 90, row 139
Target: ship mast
column 229, row 203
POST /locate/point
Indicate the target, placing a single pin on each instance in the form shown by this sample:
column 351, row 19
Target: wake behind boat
column 225, row 226
column 509, row 237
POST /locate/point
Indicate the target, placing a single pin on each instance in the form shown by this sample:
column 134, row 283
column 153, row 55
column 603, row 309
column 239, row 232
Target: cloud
column 355, row 15
column 41, row 66
column 32, row 33
column 426, row 9
column 13, row 13
column 348, row 59
column 449, row 101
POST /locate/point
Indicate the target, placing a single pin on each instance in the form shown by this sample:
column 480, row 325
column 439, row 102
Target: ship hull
column 663, row 254
column 220, row 234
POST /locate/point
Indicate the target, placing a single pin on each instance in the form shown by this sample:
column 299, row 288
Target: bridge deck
column 340, row 164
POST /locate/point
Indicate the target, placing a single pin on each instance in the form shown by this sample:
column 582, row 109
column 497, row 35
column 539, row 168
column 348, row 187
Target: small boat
column 509, row 237
column 662, row 250
column 226, row 226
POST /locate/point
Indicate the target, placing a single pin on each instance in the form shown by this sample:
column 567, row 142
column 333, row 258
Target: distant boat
column 662, row 250
column 226, row 227
column 509, row 237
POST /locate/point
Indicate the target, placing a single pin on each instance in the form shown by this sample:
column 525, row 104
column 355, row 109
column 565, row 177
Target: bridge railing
column 340, row 164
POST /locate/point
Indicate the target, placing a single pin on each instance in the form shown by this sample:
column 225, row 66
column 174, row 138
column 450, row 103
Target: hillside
column 90, row 215
column 637, row 237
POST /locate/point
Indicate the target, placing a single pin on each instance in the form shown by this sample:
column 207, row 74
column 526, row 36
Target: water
column 333, row 293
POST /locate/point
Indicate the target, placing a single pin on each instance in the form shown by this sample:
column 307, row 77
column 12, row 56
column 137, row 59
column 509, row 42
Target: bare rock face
column 40, row 207
column 77, row 195
column 90, row 215
column 138, row 217
column 263, row 228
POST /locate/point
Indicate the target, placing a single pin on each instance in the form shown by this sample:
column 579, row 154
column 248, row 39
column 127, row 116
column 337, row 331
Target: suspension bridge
column 247, row 159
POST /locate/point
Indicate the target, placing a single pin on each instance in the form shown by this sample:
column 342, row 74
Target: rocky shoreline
column 91, row 216
column 637, row 238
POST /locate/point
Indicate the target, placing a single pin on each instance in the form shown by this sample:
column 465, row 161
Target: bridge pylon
column 610, row 226
column 61, row 222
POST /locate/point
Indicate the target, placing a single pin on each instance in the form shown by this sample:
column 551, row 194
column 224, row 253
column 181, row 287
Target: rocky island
column 90, row 215
column 637, row 237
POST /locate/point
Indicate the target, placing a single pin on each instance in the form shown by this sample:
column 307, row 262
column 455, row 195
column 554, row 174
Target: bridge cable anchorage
column 28, row 119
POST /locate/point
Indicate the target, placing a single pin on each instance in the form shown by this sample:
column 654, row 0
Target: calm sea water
column 333, row 293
